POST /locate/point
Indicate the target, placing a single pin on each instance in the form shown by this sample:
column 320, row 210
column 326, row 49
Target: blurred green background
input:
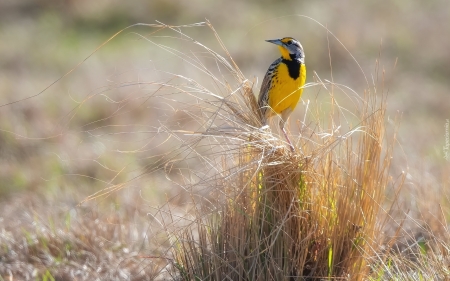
column 45, row 148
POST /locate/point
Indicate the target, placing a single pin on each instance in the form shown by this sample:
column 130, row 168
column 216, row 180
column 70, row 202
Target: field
column 130, row 148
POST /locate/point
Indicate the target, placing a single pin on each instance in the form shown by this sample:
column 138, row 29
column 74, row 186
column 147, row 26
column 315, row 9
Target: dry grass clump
column 277, row 215
column 296, row 215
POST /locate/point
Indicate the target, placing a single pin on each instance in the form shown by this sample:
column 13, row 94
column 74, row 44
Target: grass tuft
column 278, row 215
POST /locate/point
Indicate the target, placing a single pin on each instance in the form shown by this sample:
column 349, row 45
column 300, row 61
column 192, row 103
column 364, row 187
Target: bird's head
column 290, row 48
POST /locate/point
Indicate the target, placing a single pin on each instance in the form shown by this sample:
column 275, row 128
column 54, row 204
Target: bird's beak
column 275, row 41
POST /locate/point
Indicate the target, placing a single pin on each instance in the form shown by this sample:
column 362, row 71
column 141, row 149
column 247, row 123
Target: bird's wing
column 263, row 98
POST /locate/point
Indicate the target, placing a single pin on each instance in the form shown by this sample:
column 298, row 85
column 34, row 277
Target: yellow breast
column 285, row 92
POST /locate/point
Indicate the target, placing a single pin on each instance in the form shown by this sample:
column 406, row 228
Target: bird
column 283, row 83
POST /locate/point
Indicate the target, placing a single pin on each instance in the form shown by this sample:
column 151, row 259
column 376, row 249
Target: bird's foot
column 291, row 147
column 288, row 140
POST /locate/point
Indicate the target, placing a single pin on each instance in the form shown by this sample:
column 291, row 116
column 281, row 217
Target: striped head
column 290, row 48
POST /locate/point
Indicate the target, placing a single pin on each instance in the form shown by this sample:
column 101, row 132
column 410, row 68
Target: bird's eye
column 289, row 42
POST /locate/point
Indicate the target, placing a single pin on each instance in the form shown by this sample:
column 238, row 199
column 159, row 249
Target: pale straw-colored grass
column 273, row 214
column 256, row 210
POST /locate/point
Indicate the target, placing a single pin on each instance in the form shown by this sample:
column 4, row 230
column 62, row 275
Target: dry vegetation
column 239, row 205
column 289, row 216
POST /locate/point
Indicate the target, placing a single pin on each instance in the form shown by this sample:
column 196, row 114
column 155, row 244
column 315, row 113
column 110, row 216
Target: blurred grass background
column 45, row 152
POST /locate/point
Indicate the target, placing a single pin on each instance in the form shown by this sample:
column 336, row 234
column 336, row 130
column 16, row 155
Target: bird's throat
column 284, row 53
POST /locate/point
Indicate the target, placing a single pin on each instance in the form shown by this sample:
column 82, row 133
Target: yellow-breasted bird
column 282, row 85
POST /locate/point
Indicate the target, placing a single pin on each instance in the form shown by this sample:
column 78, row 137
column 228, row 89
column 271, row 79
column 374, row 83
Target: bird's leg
column 286, row 136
